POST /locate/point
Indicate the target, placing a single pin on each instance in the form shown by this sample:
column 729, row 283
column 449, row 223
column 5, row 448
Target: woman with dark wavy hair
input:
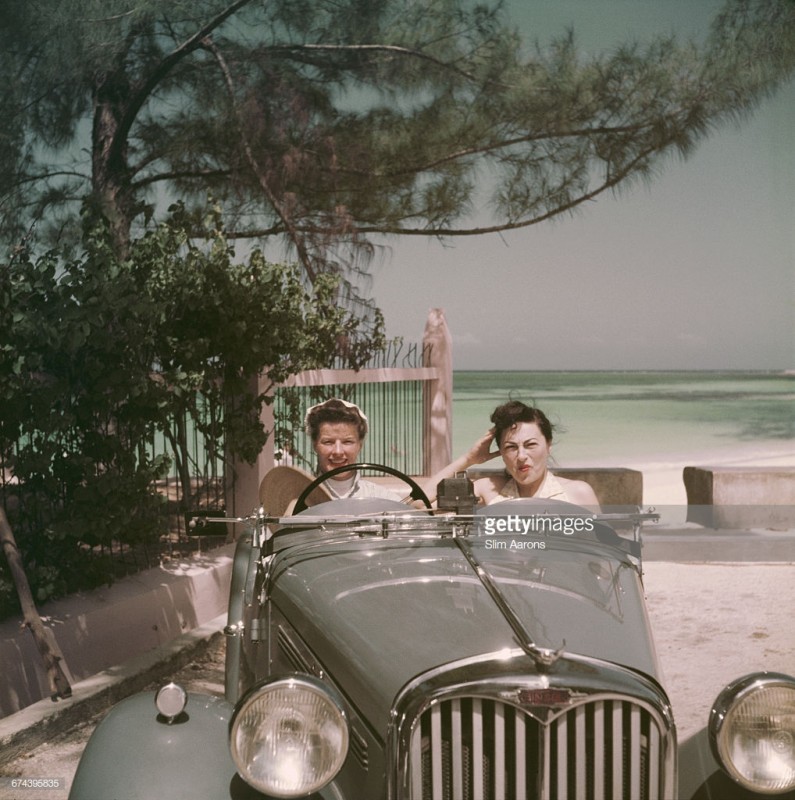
column 523, row 435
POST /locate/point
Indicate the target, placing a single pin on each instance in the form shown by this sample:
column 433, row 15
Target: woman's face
column 337, row 444
column 525, row 452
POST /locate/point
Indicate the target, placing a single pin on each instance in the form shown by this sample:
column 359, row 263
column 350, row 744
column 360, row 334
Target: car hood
column 377, row 613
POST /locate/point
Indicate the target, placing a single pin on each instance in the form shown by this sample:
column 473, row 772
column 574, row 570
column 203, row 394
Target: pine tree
column 322, row 124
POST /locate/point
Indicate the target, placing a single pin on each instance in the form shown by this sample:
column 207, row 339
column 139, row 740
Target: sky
column 695, row 270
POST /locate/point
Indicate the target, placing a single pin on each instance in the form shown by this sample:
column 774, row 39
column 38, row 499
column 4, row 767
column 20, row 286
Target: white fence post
column 438, row 393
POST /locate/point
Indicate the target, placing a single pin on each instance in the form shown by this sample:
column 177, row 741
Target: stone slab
column 741, row 497
column 614, row 486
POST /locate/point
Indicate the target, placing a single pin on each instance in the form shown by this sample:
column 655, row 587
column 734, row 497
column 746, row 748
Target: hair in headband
column 335, row 410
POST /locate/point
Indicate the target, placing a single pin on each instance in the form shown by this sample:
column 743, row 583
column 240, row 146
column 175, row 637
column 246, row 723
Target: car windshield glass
column 549, row 574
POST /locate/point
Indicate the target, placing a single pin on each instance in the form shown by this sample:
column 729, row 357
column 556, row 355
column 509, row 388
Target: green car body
column 468, row 657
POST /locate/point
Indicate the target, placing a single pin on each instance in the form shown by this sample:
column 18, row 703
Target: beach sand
column 714, row 623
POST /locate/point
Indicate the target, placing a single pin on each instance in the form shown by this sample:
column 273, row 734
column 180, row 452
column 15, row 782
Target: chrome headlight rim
column 731, row 698
column 299, row 686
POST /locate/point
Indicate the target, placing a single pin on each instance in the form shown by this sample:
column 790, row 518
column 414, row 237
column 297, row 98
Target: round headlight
column 752, row 732
column 289, row 737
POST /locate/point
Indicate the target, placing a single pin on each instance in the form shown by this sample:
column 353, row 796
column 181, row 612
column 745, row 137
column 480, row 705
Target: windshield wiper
column 542, row 657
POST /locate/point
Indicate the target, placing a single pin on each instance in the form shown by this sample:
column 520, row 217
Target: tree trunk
column 110, row 171
column 59, row 685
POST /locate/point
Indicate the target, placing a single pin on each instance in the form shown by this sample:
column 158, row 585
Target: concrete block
column 741, row 497
column 614, row 486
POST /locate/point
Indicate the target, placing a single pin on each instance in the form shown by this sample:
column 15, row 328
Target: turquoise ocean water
column 628, row 418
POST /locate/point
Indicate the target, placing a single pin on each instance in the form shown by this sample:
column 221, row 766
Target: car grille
column 470, row 748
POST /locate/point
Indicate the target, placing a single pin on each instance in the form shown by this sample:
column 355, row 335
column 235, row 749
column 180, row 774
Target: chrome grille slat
column 499, row 751
column 417, row 761
column 635, row 752
column 472, row 748
column 599, row 751
column 477, row 749
column 458, row 750
column 617, row 738
column 546, row 774
column 654, row 766
column 560, row 749
column 437, row 760
column 520, row 769
column 580, row 750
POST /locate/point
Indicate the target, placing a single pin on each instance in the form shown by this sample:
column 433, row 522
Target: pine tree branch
column 278, row 207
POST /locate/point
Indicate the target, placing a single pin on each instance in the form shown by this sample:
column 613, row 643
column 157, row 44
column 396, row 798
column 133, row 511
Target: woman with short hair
column 337, row 429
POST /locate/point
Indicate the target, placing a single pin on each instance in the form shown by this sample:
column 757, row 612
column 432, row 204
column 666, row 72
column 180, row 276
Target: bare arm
column 479, row 453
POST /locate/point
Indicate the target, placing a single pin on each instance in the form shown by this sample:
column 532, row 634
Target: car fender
column 702, row 778
column 244, row 572
column 136, row 754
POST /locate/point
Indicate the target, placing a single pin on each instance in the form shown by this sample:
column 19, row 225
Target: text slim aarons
column 541, row 523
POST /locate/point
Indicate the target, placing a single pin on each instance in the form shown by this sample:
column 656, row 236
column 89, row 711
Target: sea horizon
column 683, row 370
column 656, row 420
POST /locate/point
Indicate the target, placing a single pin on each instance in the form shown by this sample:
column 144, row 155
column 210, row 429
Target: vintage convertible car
column 377, row 651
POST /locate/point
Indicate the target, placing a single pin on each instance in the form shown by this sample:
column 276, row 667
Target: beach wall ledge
column 613, row 486
column 741, row 497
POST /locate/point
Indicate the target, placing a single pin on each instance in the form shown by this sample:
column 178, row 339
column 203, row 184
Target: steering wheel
column 416, row 490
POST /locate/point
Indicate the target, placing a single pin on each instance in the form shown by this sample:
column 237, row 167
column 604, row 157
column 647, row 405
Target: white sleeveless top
column 550, row 488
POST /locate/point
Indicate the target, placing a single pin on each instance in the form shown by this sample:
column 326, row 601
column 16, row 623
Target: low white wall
column 741, row 497
column 613, row 486
column 106, row 627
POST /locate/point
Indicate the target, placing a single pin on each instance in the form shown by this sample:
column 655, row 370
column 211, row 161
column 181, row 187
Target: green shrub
column 98, row 354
